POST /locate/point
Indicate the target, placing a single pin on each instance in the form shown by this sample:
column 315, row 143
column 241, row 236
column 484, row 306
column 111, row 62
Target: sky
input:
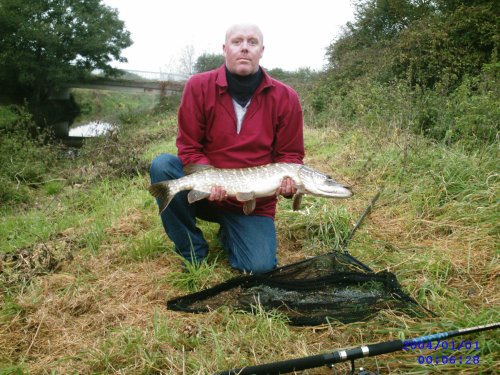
column 296, row 32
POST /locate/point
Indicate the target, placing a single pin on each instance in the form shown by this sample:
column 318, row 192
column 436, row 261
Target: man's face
column 243, row 50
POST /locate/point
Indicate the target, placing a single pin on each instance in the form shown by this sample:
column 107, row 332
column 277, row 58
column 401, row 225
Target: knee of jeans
column 260, row 265
column 165, row 166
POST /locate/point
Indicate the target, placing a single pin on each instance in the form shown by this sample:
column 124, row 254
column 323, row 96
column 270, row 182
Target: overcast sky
column 296, row 32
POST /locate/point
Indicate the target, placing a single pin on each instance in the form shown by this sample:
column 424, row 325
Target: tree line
column 433, row 64
column 441, row 55
column 430, row 43
column 44, row 43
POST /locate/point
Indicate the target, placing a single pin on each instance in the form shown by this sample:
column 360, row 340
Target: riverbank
column 87, row 268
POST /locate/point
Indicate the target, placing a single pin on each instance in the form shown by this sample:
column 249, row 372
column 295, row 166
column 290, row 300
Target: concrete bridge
column 160, row 83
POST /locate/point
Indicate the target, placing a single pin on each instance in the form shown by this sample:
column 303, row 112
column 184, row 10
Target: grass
column 88, row 294
column 193, row 277
column 319, row 227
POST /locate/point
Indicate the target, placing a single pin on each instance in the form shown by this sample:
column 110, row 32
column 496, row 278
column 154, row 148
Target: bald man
column 235, row 116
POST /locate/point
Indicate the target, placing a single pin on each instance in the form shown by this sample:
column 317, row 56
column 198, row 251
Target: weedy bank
column 86, row 268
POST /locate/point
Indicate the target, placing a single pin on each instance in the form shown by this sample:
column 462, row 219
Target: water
column 92, row 129
column 73, row 137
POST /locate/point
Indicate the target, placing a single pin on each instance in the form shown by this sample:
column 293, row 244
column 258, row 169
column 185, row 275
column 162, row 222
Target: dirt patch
column 23, row 265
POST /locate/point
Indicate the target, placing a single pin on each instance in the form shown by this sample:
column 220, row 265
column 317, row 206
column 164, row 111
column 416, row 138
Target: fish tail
column 162, row 192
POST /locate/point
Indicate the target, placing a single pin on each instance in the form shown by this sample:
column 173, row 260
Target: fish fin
column 249, row 199
column 297, row 199
column 196, row 195
column 249, row 207
column 161, row 191
column 193, row 168
column 243, row 197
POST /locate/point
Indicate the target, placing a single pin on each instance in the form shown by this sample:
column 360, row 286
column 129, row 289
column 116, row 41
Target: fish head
column 322, row 185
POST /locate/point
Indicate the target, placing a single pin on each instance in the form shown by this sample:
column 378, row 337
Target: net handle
column 358, row 223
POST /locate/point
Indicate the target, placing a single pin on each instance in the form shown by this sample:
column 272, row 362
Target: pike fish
column 247, row 184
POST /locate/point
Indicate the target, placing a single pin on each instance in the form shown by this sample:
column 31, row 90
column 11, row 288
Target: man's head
column 243, row 49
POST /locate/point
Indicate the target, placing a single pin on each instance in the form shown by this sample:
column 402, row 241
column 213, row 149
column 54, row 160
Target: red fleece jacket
column 271, row 131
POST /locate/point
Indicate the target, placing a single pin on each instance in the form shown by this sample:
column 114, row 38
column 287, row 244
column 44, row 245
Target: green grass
column 149, row 246
column 319, row 226
column 194, row 276
column 171, row 346
column 102, row 308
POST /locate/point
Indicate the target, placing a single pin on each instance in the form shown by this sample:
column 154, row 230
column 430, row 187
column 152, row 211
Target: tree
column 426, row 42
column 44, row 43
column 186, row 61
column 208, row 61
column 448, row 46
column 379, row 20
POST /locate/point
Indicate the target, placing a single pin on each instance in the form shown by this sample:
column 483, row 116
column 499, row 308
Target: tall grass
column 317, row 228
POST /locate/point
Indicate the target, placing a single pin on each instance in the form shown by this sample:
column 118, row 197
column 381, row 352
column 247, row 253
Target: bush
column 427, row 66
column 14, row 118
column 470, row 114
column 365, row 103
column 25, row 160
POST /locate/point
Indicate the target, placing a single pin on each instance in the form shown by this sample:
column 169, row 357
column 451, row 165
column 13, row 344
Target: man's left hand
column 287, row 188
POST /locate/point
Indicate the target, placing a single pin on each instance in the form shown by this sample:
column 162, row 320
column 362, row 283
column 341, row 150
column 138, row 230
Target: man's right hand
column 217, row 194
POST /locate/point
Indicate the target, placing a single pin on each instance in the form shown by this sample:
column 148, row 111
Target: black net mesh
column 331, row 286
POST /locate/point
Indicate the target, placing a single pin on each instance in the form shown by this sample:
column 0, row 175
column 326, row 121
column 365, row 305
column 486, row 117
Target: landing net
column 333, row 286
column 311, row 292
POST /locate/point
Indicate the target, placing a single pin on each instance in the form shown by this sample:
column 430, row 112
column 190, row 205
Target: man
column 235, row 116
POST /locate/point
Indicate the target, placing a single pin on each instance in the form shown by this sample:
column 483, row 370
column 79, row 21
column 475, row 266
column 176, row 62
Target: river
column 92, row 129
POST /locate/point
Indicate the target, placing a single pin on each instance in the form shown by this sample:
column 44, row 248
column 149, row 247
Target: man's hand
column 217, row 194
column 287, row 188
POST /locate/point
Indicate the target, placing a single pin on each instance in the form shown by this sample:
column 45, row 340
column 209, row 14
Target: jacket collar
column 221, row 81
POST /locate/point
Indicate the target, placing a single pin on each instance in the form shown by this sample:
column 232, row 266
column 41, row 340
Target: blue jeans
column 249, row 241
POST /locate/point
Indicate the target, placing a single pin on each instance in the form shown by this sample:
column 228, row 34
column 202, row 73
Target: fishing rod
column 344, row 355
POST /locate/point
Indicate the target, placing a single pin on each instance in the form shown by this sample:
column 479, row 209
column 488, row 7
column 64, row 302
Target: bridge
column 155, row 76
column 161, row 83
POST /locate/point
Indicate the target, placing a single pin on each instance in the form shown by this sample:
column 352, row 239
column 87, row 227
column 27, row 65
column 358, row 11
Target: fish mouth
column 348, row 188
column 338, row 191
